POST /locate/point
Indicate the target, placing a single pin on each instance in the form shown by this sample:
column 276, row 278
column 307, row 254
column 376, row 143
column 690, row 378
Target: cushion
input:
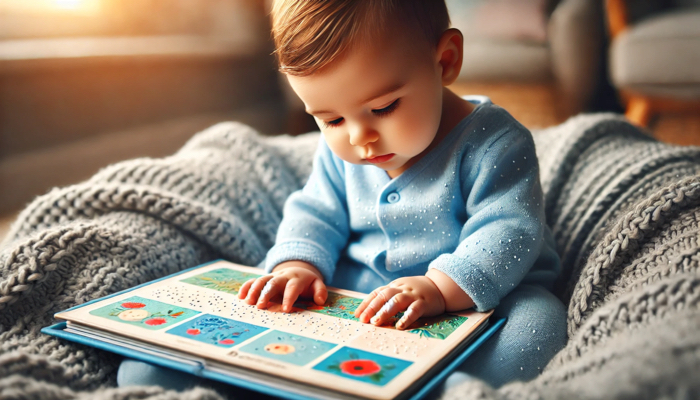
column 659, row 56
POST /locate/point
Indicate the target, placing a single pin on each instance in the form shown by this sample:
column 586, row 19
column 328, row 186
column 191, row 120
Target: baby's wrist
column 454, row 298
column 297, row 264
column 440, row 295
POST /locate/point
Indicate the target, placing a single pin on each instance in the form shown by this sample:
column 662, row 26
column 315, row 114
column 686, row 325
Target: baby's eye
column 382, row 112
column 333, row 123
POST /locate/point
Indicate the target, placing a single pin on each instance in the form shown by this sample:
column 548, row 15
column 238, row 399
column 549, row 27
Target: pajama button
column 393, row 197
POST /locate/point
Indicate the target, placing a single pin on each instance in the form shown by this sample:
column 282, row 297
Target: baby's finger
column 320, row 292
column 243, row 291
column 412, row 313
column 292, row 291
column 272, row 288
column 367, row 301
column 255, row 289
column 397, row 303
column 377, row 303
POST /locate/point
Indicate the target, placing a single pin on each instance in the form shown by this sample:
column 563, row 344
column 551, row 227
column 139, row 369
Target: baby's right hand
column 291, row 278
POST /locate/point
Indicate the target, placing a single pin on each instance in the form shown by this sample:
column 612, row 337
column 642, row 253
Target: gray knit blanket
column 624, row 208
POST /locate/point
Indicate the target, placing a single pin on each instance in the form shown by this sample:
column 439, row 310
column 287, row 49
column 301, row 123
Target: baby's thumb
column 320, row 292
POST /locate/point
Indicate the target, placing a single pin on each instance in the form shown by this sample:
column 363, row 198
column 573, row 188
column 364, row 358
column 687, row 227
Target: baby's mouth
column 380, row 159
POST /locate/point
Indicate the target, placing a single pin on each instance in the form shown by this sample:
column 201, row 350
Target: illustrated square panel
column 363, row 366
column 222, row 332
column 146, row 313
column 287, row 347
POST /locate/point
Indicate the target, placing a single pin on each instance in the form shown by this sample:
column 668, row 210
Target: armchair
column 654, row 57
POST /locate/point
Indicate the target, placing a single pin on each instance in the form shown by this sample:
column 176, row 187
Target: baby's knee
column 536, row 319
column 534, row 332
column 533, row 304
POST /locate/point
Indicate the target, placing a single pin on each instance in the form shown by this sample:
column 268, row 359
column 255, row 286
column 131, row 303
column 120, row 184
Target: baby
column 428, row 201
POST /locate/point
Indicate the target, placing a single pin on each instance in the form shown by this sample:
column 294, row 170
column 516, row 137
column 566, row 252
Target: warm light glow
column 78, row 6
column 69, row 4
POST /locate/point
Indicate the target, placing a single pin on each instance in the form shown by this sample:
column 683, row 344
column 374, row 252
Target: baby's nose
column 361, row 136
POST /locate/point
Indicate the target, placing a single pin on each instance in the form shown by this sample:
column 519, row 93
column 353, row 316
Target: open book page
column 198, row 312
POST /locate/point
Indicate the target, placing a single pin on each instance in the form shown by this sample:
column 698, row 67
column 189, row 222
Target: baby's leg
column 138, row 373
column 534, row 332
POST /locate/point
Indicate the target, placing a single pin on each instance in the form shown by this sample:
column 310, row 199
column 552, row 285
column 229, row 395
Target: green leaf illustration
column 377, row 377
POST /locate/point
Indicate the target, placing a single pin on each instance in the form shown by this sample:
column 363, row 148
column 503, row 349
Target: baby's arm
column 290, row 279
column 419, row 296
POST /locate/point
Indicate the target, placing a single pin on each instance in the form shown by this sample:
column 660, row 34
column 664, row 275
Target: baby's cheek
column 340, row 146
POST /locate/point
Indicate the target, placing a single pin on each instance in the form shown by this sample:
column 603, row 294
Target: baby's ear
column 449, row 54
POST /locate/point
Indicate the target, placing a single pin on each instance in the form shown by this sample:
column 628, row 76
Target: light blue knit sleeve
column 501, row 238
column 315, row 226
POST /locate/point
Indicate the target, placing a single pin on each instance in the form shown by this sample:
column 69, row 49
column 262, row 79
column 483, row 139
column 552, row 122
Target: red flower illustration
column 133, row 305
column 193, row 331
column 155, row 321
column 359, row 367
column 226, row 341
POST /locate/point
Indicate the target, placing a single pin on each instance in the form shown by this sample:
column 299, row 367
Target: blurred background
column 86, row 83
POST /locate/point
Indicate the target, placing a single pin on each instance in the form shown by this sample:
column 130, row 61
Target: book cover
column 195, row 316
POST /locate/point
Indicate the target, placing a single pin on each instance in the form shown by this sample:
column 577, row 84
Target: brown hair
column 310, row 34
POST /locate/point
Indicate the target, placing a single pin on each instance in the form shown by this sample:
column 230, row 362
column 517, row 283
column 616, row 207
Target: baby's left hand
column 418, row 295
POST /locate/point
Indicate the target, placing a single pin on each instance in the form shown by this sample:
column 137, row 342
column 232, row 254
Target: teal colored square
column 363, row 366
column 146, row 313
column 212, row 329
column 287, row 347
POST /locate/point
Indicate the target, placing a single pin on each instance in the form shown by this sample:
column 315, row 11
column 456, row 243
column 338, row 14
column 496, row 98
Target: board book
column 193, row 321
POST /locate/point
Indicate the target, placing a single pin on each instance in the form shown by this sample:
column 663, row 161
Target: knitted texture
column 221, row 196
column 625, row 212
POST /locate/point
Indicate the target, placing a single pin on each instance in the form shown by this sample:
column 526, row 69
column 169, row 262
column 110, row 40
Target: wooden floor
column 680, row 129
column 5, row 222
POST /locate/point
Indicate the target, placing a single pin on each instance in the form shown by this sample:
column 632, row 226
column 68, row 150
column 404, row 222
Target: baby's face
column 379, row 105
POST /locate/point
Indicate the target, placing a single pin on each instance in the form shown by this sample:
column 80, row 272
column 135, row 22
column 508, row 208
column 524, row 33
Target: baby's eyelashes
column 384, row 111
column 333, row 123
column 378, row 112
